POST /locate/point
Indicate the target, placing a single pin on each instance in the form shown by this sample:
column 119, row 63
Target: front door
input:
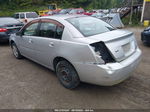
column 48, row 41
column 26, row 44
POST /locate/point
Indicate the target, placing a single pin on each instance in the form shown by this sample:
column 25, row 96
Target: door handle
column 30, row 41
column 51, row 44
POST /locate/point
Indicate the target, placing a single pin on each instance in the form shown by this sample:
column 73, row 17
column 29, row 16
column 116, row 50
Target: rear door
column 48, row 41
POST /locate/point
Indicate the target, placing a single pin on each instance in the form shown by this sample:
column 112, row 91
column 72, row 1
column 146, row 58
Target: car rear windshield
column 90, row 26
column 8, row 21
column 31, row 15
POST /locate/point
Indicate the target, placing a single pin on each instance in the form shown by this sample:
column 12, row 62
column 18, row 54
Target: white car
column 25, row 16
column 78, row 48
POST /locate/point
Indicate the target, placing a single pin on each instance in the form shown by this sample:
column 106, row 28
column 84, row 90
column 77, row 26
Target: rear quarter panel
column 76, row 52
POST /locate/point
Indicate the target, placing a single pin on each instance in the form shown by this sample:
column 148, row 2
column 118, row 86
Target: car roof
column 63, row 17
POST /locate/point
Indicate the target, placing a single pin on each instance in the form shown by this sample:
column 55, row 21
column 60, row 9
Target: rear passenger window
column 51, row 29
column 47, row 30
column 59, row 32
column 22, row 16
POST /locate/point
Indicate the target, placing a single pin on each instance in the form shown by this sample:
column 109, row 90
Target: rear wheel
column 15, row 50
column 67, row 75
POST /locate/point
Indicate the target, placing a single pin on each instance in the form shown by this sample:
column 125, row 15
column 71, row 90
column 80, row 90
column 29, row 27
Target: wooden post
column 130, row 22
column 143, row 11
column 146, row 11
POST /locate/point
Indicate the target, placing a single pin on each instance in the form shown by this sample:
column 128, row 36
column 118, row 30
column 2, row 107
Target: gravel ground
column 27, row 85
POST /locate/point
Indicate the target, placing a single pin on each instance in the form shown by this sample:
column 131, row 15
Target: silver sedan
column 78, row 48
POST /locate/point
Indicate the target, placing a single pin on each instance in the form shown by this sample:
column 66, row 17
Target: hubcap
column 15, row 52
column 64, row 72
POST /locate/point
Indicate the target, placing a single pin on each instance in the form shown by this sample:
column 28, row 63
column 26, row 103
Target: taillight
column 102, row 51
column 3, row 30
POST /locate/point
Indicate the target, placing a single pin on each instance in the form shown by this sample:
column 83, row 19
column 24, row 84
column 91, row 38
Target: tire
column 67, row 75
column 16, row 52
column 145, row 43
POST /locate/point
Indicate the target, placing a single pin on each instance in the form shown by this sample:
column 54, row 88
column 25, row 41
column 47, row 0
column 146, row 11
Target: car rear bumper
column 145, row 37
column 109, row 74
column 4, row 37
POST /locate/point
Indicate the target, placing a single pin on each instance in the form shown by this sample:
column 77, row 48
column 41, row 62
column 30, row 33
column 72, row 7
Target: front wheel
column 67, row 75
column 16, row 52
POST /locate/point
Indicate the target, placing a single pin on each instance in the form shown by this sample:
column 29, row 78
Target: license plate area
column 126, row 47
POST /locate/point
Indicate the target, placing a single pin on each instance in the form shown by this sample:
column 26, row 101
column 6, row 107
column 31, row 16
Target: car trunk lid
column 121, row 44
column 13, row 28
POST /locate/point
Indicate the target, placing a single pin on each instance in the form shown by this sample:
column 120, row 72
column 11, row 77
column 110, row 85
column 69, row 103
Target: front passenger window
column 31, row 30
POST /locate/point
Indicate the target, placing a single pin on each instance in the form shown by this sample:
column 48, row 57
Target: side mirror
column 19, row 33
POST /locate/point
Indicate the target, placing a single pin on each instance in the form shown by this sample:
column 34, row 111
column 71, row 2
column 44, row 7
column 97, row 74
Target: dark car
column 8, row 26
column 145, row 36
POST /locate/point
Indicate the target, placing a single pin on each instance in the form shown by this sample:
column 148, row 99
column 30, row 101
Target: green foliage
column 9, row 7
column 10, row 12
column 135, row 20
column 87, row 4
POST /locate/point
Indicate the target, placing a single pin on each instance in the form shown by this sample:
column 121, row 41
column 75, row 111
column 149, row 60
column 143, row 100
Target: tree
column 87, row 4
